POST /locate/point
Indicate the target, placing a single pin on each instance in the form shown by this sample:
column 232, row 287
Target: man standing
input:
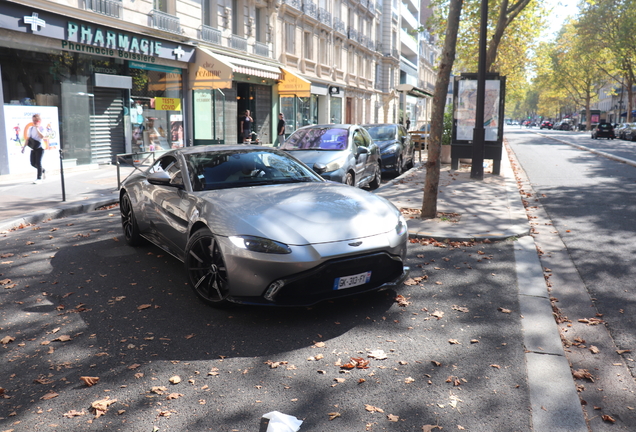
column 281, row 129
column 246, row 126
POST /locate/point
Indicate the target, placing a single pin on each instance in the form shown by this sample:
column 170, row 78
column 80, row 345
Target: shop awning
column 292, row 84
column 249, row 67
column 209, row 71
column 411, row 90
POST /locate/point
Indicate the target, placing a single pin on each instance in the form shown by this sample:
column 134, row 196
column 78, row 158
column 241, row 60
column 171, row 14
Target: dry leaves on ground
column 372, row 408
column 7, row 339
column 89, row 381
column 402, row 301
column 73, row 413
column 583, row 374
column 100, row 407
column 333, row 415
column 356, row 362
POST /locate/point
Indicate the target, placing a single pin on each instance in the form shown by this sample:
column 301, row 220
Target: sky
column 561, row 9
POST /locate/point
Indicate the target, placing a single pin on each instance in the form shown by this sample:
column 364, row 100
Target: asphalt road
column 584, row 207
column 76, row 301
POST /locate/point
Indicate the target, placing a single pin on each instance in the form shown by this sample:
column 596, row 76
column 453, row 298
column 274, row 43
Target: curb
column 58, row 212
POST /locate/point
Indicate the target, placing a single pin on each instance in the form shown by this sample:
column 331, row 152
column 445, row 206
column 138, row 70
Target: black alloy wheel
column 128, row 221
column 207, row 273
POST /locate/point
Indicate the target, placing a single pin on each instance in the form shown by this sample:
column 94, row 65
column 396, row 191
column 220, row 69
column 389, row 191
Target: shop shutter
column 107, row 126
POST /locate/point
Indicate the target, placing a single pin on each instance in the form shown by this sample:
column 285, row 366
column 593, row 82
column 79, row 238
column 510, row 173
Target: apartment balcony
column 111, row 8
column 262, row 49
column 310, row 9
column 163, row 21
column 211, row 34
column 353, row 34
column 339, row 26
column 364, row 40
column 238, row 43
column 296, row 4
column 324, row 16
column 378, row 47
column 409, row 43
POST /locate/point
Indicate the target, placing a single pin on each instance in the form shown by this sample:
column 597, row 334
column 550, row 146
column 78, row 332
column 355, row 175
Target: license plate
column 351, row 281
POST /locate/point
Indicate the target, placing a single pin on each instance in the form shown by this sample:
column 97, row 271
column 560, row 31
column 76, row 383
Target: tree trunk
column 429, row 202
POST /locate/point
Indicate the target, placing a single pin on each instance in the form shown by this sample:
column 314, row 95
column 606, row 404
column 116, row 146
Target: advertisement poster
column 18, row 120
column 467, row 106
column 176, row 130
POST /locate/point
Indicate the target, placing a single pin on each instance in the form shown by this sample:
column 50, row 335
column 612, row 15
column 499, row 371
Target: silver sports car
column 253, row 225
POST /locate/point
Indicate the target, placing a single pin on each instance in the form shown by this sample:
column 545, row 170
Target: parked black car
column 342, row 153
column 629, row 132
column 563, row 125
column 603, row 130
column 546, row 124
column 397, row 151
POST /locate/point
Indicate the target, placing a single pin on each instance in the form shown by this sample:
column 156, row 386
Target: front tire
column 128, row 221
column 377, row 178
column 205, row 266
column 349, row 180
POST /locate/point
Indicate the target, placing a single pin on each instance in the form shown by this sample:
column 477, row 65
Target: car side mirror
column 161, row 178
column 361, row 150
column 319, row 168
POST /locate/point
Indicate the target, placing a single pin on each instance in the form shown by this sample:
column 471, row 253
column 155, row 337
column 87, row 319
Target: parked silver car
column 342, row 153
column 254, row 225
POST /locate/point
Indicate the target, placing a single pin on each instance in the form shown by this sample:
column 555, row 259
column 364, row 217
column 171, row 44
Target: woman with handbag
column 34, row 141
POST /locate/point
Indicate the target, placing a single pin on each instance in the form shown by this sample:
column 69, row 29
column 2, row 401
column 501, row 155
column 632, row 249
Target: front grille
column 317, row 284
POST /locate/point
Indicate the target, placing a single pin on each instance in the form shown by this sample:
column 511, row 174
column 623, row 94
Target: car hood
column 385, row 144
column 310, row 157
column 299, row 214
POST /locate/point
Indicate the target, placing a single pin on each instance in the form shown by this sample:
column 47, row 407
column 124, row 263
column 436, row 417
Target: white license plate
column 351, row 281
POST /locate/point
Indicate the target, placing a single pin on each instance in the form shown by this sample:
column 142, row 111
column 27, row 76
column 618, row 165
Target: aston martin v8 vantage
column 254, row 225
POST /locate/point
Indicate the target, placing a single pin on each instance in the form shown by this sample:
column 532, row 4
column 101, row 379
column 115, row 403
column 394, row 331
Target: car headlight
column 401, row 226
column 391, row 149
column 259, row 244
column 335, row 165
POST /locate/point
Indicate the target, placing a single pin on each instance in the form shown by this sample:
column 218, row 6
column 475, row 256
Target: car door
column 361, row 153
column 169, row 206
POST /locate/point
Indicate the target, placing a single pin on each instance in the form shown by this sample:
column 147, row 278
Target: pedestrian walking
column 36, row 132
column 246, row 127
column 281, row 129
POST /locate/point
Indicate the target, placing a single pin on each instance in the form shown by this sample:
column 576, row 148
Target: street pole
column 479, row 133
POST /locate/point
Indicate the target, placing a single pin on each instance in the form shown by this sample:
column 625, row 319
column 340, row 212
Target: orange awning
column 292, row 84
column 209, row 72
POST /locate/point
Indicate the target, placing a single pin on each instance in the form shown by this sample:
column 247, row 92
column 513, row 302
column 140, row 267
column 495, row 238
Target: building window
column 290, row 38
column 167, row 6
column 308, row 39
column 323, row 51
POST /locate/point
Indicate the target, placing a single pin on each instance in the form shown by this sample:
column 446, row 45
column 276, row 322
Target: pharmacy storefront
column 100, row 91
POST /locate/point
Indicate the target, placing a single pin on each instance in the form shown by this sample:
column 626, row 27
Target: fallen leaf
column 134, row 366
column 7, row 339
column 402, row 301
column 377, row 354
column 333, row 415
column 495, row 366
column 73, row 413
column 62, row 338
column 89, row 381
column 623, row 351
column 582, row 374
column 438, row 314
column 454, row 342
column 392, row 418
column 429, row 428
column 594, row 350
column 504, row 310
column 608, row 418
column 319, row 345
column 175, row 379
column 372, row 408
column 144, row 306
column 159, row 390
column 409, row 380
column 49, row 395
column 174, row 396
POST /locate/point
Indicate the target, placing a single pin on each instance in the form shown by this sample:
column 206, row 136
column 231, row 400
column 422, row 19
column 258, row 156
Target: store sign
column 95, row 40
column 167, row 104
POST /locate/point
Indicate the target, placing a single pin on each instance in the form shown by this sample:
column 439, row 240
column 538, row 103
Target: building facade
column 119, row 76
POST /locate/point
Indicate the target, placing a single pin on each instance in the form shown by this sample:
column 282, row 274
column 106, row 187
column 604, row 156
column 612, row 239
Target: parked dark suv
column 603, row 130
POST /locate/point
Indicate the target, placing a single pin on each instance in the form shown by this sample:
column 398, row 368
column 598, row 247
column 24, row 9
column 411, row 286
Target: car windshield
column 317, row 138
column 230, row 169
column 382, row 133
